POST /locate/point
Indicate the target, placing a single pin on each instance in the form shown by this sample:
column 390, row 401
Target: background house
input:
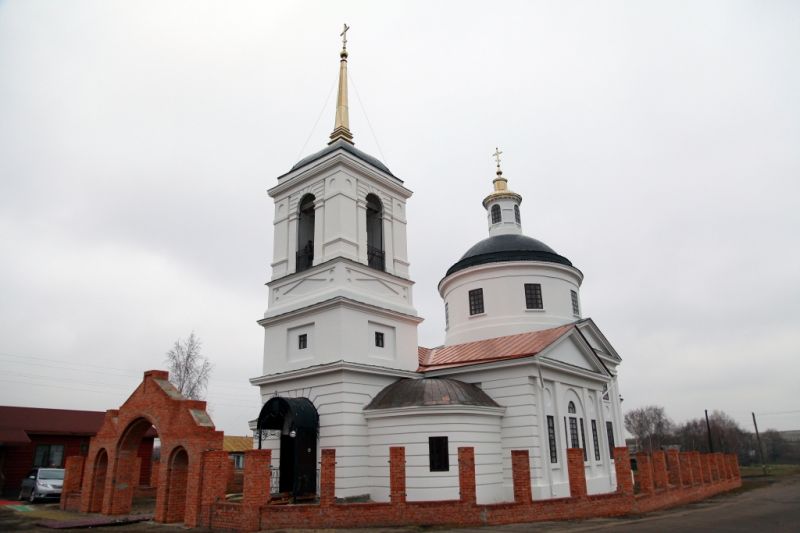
column 32, row 437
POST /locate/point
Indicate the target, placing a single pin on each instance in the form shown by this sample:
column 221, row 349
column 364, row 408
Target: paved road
column 774, row 508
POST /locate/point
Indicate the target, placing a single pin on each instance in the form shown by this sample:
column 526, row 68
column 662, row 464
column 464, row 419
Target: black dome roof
column 501, row 248
column 429, row 392
column 347, row 147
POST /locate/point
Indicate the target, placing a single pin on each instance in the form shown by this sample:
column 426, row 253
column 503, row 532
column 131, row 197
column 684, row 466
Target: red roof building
column 32, row 437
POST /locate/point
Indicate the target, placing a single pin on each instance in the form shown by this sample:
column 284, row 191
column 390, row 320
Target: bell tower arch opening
column 375, row 251
column 305, row 232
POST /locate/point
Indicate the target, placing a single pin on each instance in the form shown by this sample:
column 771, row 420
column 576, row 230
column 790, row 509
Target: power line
column 321, row 111
column 66, row 365
column 364, row 110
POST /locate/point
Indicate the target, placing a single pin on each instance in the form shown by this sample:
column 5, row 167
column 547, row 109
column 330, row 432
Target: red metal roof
column 55, row 421
column 484, row 351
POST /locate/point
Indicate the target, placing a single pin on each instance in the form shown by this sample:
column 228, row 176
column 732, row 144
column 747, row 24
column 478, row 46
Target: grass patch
column 772, row 470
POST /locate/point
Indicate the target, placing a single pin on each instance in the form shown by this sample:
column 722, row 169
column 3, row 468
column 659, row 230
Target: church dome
column 508, row 247
column 429, row 392
column 349, row 148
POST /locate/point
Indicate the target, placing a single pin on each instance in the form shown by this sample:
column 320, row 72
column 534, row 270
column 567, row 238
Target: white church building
column 521, row 368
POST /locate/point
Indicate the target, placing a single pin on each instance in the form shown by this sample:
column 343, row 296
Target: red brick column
column 214, row 483
column 521, row 475
column 136, row 475
column 466, row 474
column 659, row 470
column 673, row 468
column 73, row 478
column 645, row 467
column 720, row 466
column 712, row 462
column 705, row 465
column 397, row 474
column 256, row 477
column 154, row 468
column 734, row 462
column 697, row 470
column 327, row 475
column 686, row 469
column 622, row 466
column 577, row 473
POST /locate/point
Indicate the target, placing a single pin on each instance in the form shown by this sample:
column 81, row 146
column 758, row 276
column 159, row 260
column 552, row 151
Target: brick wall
column 465, row 511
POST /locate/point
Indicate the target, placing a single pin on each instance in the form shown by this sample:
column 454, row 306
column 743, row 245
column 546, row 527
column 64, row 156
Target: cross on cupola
column 502, row 204
column 497, row 153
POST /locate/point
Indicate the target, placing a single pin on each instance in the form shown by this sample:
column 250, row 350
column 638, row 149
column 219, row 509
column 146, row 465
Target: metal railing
column 304, row 260
column 375, row 258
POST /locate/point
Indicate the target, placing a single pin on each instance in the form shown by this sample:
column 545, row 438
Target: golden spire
column 341, row 129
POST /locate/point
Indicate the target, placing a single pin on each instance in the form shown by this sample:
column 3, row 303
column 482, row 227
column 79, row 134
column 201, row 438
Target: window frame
column 302, row 341
column 47, row 456
column 497, row 214
column 551, row 438
column 438, row 454
column 595, row 441
column 476, row 304
column 533, row 296
column 379, row 339
column 517, row 218
column 610, row 437
column 576, row 308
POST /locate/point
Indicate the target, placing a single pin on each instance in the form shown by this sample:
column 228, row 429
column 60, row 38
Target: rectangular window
column 583, row 442
column 595, row 441
column 302, row 341
column 551, row 436
column 573, row 432
column 476, row 301
column 576, row 310
column 610, row 433
column 49, row 455
column 446, row 315
column 438, row 455
column 379, row 339
column 533, row 296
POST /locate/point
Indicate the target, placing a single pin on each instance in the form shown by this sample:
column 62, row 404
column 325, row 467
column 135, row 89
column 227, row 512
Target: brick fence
column 682, row 482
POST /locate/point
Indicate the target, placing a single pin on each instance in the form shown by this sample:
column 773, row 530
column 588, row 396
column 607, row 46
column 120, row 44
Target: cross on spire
column 343, row 35
column 497, row 153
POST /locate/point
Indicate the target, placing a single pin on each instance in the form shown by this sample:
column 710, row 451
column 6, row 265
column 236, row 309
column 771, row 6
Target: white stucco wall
column 503, row 287
column 339, row 398
column 340, row 185
column 463, row 426
column 337, row 331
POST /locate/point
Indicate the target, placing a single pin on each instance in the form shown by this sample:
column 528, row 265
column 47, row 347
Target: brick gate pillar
column 521, row 475
column 397, row 474
column 466, row 475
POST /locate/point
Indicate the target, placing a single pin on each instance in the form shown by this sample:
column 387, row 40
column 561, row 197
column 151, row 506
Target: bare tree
column 650, row 425
column 188, row 368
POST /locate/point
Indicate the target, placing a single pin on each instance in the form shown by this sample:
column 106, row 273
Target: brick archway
column 185, row 431
column 98, row 481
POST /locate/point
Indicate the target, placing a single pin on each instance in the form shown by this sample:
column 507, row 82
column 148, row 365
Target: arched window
column 516, row 213
column 495, row 214
column 305, row 233
column 375, row 255
column 571, row 408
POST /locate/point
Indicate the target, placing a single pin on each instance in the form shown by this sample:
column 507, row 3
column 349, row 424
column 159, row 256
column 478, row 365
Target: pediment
column 598, row 341
column 574, row 351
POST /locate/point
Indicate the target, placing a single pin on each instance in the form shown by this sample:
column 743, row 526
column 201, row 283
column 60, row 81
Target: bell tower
column 340, row 287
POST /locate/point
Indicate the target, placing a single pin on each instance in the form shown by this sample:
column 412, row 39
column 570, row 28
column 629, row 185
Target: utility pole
column 760, row 448
column 708, row 427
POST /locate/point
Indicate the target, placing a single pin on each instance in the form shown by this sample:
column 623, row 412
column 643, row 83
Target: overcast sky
column 655, row 144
